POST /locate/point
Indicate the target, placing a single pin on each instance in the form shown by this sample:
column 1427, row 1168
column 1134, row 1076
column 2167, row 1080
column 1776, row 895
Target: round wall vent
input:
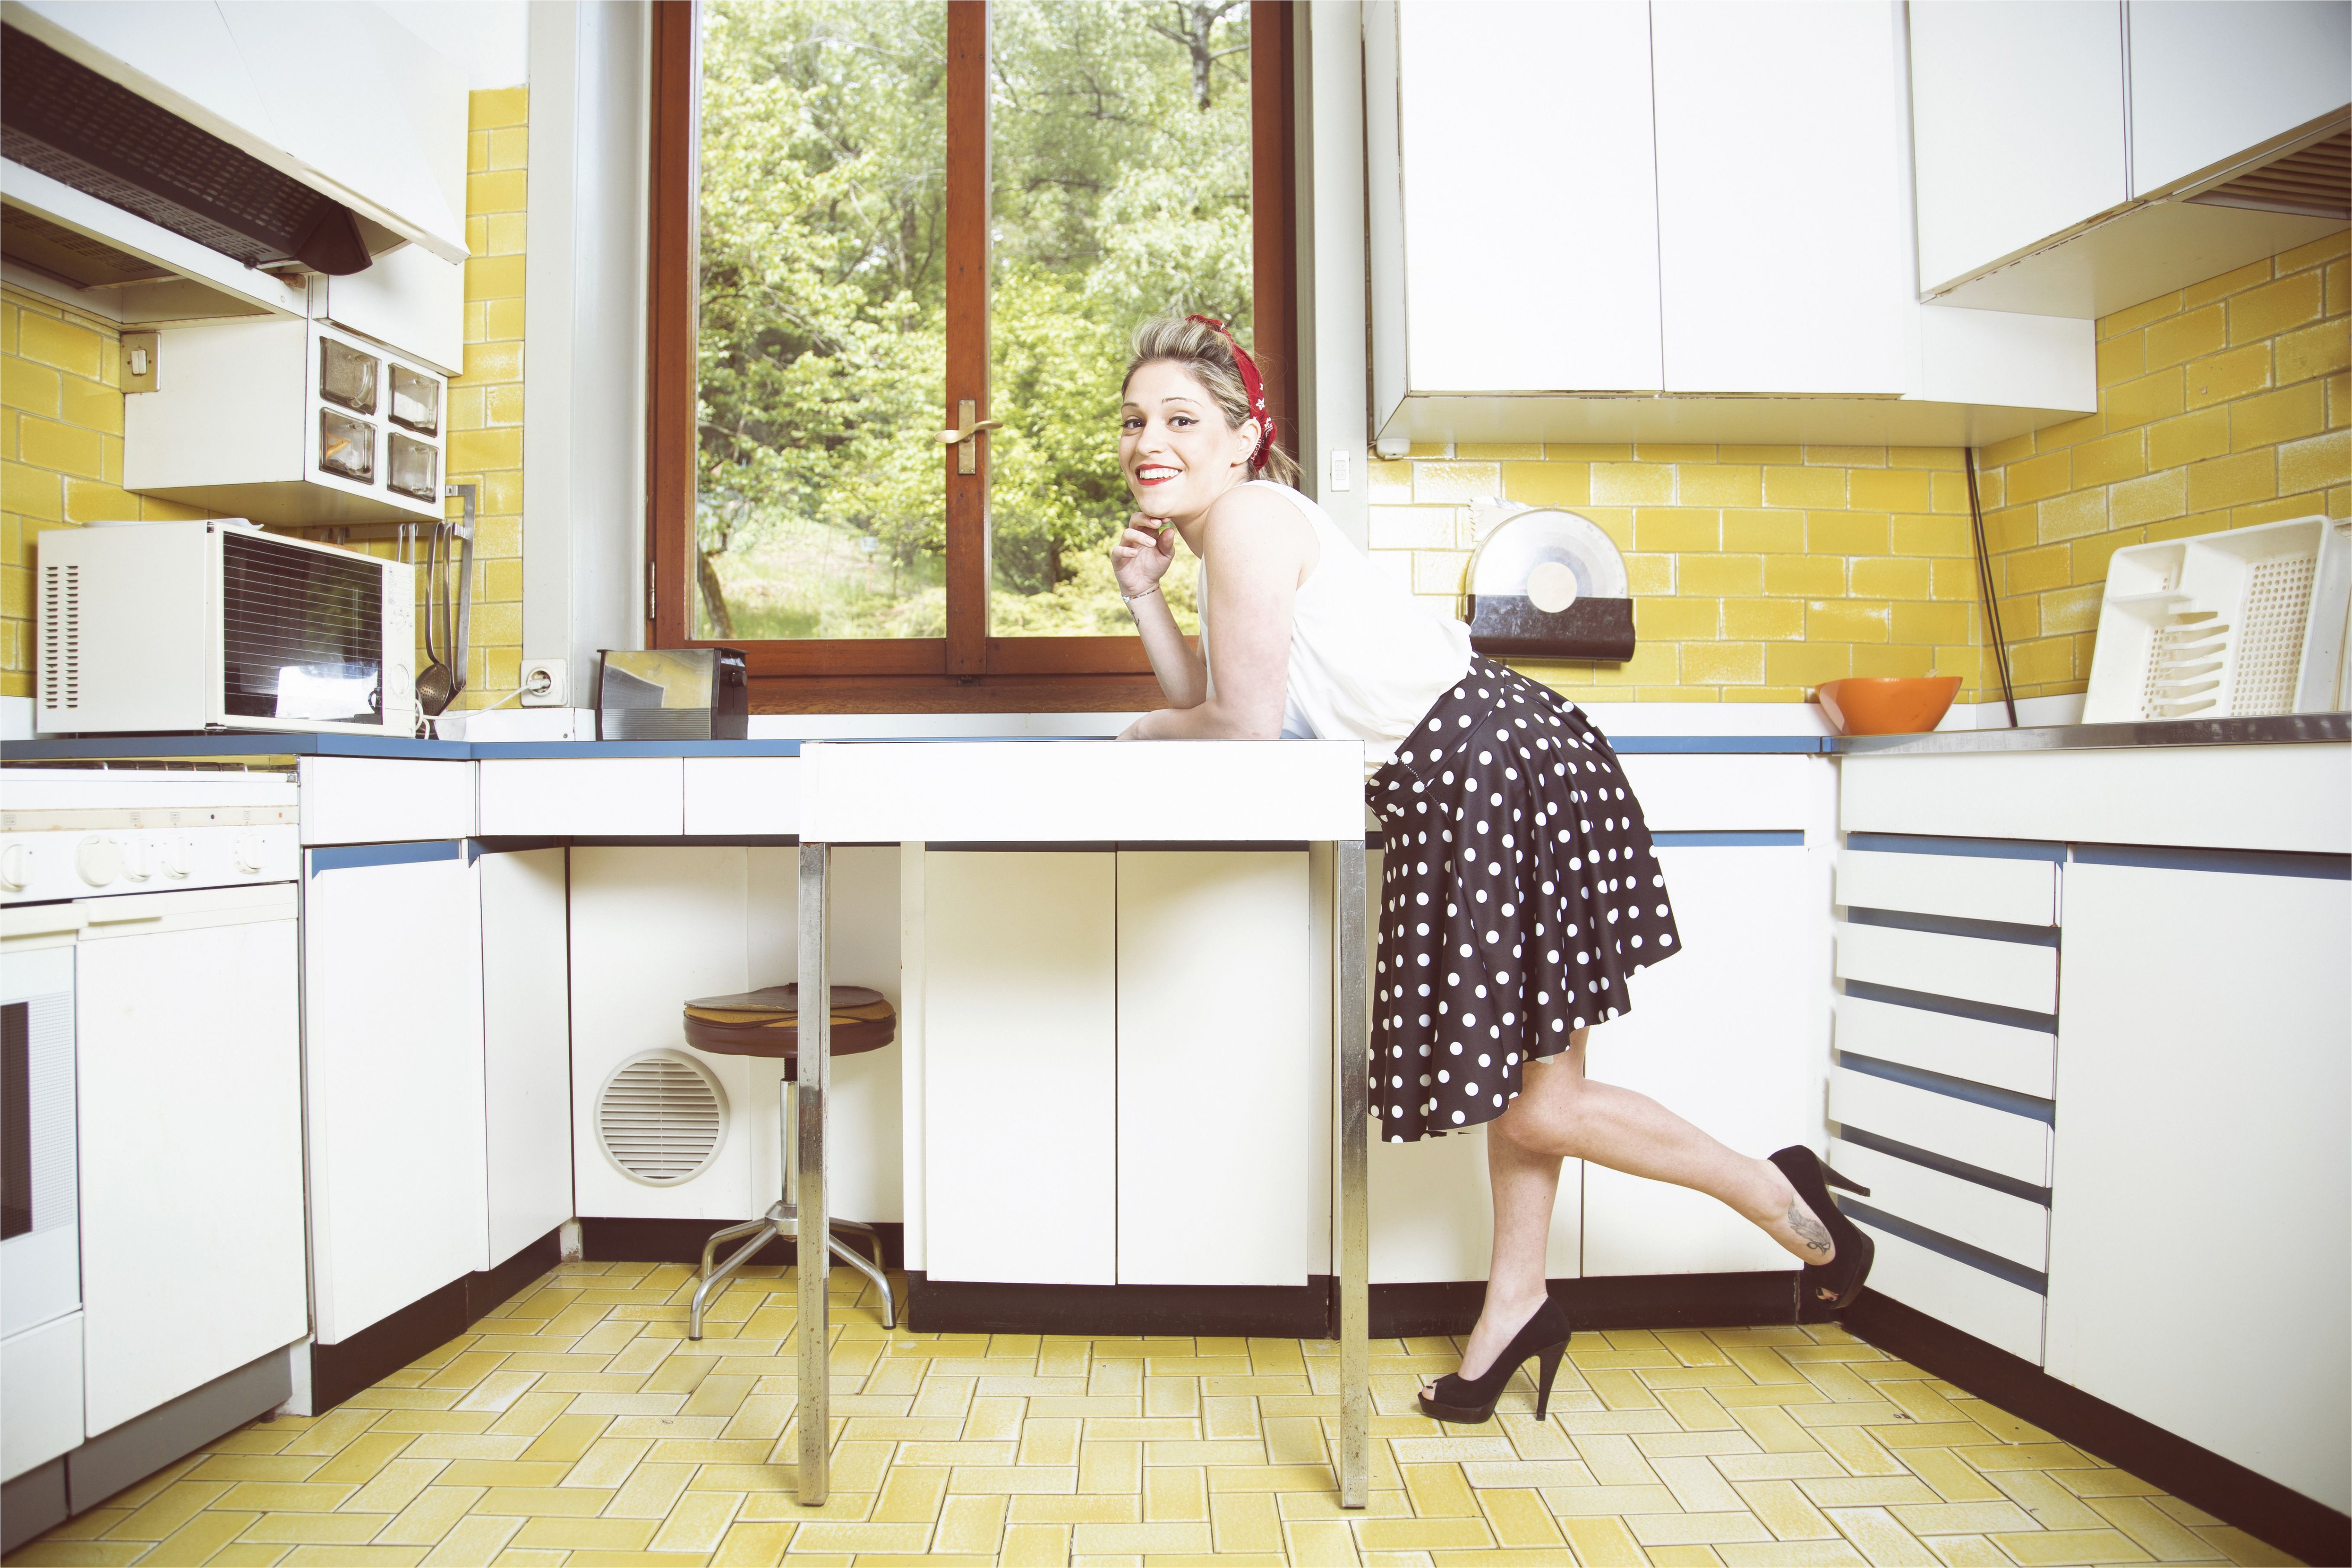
column 661, row 1118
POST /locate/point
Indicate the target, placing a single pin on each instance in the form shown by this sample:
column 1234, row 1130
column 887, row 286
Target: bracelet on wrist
column 1130, row 598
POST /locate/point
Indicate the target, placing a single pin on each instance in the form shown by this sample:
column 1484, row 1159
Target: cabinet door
column 392, row 1006
column 2201, row 1206
column 2017, row 127
column 1782, row 232
column 526, row 1047
column 1222, row 1084
column 1020, row 1129
column 188, row 1056
column 1525, row 153
column 2213, row 78
column 1729, row 1035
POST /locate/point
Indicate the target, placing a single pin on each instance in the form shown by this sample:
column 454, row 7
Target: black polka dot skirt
column 1519, row 892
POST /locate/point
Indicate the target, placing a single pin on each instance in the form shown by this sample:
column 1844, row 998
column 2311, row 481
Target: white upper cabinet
column 2214, row 80
column 1614, row 222
column 1551, row 176
column 2073, row 157
column 2017, row 117
column 1780, row 211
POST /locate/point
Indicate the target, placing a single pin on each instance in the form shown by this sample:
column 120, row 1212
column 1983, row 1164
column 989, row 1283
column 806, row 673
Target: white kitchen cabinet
column 2066, row 155
column 2016, row 125
column 1221, row 1078
column 526, row 1047
column 408, row 299
column 189, row 1070
column 1705, row 203
column 381, row 799
column 393, row 1010
column 1523, row 142
column 1021, row 1014
column 602, row 797
column 1761, row 290
column 1729, row 1035
column 2201, row 1173
column 2214, row 79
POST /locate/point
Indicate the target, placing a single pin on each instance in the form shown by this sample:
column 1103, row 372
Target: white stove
column 73, row 833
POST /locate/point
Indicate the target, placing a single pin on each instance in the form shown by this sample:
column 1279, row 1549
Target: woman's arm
column 1140, row 560
column 1255, row 546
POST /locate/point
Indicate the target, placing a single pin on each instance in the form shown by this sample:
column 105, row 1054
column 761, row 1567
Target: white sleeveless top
column 1366, row 657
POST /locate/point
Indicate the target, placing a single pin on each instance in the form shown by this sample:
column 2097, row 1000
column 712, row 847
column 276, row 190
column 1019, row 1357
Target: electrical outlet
column 542, row 682
column 139, row 360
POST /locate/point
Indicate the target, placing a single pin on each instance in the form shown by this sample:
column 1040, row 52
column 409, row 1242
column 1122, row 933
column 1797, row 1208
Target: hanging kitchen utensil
column 434, row 685
column 1547, row 583
column 464, row 530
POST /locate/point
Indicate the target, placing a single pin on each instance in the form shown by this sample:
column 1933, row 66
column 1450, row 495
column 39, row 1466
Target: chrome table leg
column 811, row 1198
column 711, row 1278
column 1355, row 1298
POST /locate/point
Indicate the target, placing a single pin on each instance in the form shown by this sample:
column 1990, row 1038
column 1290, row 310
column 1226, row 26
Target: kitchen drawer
column 2017, row 1229
column 742, row 795
column 1999, row 1054
column 614, row 796
column 1972, row 887
column 381, row 801
column 2012, row 1145
column 1954, row 1292
column 2019, row 974
column 41, row 1370
column 1696, row 792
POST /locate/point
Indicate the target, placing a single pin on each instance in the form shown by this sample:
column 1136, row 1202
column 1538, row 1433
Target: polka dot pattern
column 1518, row 894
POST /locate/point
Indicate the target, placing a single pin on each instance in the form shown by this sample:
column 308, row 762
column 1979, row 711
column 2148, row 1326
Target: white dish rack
column 2225, row 625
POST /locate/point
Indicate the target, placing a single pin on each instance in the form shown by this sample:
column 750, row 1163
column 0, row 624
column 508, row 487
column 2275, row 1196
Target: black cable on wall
column 1992, row 599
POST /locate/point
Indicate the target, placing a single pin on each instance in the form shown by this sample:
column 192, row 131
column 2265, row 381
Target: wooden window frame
column 966, row 671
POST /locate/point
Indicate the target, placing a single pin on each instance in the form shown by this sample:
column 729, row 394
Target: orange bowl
column 1887, row 705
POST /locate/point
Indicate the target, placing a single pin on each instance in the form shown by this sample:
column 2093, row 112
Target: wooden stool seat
column 767, row 1022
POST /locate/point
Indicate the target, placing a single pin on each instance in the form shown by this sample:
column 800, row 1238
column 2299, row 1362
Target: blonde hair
column 1208, row 355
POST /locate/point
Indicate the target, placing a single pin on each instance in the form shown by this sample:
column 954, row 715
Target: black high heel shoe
column 1838, row 1281
column 1467, row 1401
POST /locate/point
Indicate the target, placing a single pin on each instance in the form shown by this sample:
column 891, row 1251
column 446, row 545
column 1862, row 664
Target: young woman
column 1519, row 892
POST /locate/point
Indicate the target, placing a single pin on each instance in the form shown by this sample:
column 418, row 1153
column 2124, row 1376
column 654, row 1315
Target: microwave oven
column 214, row 625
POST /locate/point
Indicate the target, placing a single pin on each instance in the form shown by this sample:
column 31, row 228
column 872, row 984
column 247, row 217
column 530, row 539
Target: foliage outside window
column 1119, row 189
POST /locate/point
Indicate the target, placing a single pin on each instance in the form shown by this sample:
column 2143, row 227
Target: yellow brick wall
column 2221, row 405
column 61, row 419
column 61, row 445
column 486, row 402
column 1758, row 572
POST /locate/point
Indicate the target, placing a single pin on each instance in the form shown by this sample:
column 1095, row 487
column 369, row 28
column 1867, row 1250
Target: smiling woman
column 876, row 225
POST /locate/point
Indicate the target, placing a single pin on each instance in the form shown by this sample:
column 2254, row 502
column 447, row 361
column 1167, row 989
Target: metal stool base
column 782, row 1220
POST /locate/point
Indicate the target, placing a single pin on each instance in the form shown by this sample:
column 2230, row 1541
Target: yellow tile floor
column 578, row 1425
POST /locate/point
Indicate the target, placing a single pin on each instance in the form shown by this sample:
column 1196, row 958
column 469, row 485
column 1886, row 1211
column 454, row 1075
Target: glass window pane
column 1121, row 190
column 821, row 495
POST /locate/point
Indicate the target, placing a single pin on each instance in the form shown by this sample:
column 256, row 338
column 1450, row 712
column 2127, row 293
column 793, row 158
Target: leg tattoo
column 1809, row 1229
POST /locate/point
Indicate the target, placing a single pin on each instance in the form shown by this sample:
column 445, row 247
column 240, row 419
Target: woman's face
column 1176, row 450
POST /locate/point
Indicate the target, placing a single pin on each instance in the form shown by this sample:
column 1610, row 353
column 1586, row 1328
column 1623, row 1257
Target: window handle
column 967, row 416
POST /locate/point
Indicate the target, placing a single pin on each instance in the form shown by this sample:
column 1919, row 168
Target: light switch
column 1340, row 478
column 138, row 350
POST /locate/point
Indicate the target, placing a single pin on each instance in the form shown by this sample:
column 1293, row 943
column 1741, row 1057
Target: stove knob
column 138, row 860
column 179, row 857
column 98, row 861
column 16, row 867
column 250, row 853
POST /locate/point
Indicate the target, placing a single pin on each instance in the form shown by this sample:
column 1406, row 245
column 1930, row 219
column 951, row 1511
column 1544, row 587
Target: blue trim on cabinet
column 351, row 857
column 2244, row 863
column 2031, row 1107
column 1954, row 1007
column 1992, row 1263
column 1721, row 745
column 1895, row 1148
column 1979, row 849
column 1775, row 838
column 504, row 750
column 1954, row 926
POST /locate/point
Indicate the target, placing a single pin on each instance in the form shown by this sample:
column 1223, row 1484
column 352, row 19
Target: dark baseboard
column 680, row 1242
column 1601, row 1301
column 1268, row 1311
column 2222, row 1488
column 340, row 1370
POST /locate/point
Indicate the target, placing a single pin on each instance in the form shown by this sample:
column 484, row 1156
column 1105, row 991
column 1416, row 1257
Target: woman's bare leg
column 1560, row 1114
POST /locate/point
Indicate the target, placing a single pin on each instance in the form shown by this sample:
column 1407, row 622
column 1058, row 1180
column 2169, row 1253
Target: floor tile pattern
column 578, row 1425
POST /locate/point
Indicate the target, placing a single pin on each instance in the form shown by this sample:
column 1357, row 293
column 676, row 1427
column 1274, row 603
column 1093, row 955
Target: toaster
column 673, row 693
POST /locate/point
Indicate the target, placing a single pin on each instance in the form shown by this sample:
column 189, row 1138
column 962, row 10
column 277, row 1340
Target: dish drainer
column 2224, row 625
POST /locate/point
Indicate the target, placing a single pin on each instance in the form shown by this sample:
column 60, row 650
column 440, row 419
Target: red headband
column 1251, row 384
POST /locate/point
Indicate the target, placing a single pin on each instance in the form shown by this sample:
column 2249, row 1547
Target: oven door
column 40, row 1255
